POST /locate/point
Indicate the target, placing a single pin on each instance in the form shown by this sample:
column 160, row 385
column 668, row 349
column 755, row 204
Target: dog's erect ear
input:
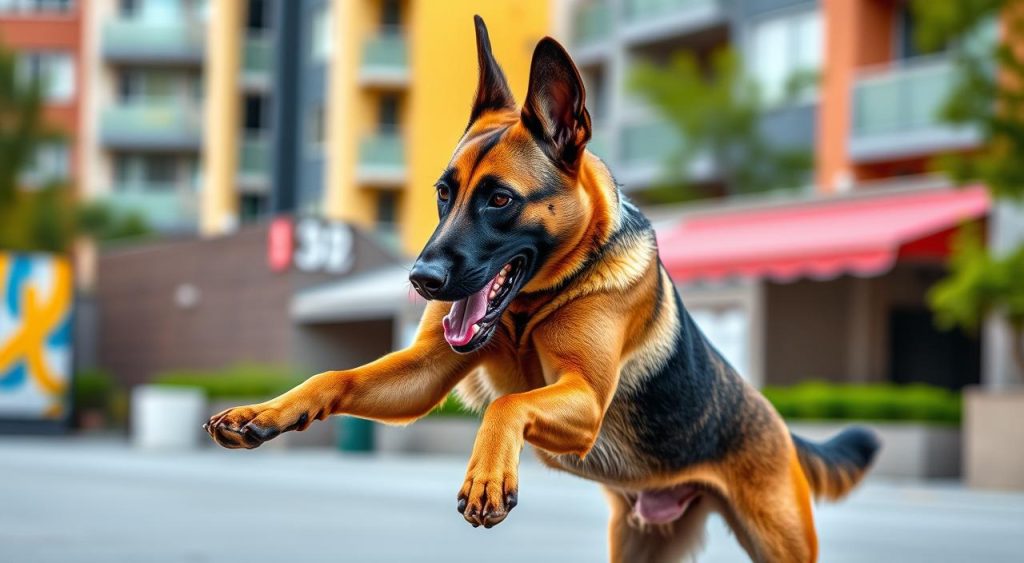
column 492, row 91
column 555, row 110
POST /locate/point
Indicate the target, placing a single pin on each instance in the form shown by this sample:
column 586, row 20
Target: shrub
column 93, row 390
column 453, row 407
column 877, row 401
column 241, row 380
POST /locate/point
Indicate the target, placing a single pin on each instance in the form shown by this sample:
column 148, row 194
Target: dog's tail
column 834, row 467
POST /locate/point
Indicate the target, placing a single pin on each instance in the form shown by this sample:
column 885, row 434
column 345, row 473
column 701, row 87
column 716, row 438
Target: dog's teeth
column 493, row 293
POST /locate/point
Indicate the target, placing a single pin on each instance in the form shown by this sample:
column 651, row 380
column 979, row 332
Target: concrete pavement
column 70, row 501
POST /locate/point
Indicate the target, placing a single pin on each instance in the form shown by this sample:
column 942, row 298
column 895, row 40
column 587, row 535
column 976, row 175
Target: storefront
column 827, row 288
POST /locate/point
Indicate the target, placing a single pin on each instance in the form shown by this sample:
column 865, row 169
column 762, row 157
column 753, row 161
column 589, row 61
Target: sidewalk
column 69, row 501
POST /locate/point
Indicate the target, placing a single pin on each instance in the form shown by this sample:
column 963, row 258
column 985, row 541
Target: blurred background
column 202, row 202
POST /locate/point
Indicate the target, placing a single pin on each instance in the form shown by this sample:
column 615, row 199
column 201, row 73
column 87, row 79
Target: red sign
column 280, row 244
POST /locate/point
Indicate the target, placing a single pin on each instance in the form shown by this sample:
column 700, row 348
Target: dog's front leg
column 562, row 418
column 397, row 388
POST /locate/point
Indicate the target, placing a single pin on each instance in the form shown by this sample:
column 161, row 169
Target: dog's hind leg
column 773, row 518
column 631, row 541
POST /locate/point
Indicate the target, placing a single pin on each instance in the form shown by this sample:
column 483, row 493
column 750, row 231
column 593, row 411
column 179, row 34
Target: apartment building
column 828, row 282
column 46, row 38
column 148, row 106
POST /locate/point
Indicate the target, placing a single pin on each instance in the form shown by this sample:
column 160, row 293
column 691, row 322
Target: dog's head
column 509, row 201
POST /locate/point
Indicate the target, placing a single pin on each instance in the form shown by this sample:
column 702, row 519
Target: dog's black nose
column 428, row 279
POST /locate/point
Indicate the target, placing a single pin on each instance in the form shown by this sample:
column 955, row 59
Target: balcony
column 646, row 145
column 381, row 160
column 254, row 164
column 257, row 62
column 164, row 208
column 654, row 20
column 153, row 125
column 896, row 111
column 147, row 42
column 592, row 30
column 599, row 144
column 385, row 60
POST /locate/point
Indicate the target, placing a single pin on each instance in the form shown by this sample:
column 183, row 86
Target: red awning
column 820, row 239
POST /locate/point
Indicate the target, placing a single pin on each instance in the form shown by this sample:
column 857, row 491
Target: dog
column 549, row 311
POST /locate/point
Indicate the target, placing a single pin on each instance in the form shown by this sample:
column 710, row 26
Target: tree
column 42, row 218
column 719, row 115
column 989, row 96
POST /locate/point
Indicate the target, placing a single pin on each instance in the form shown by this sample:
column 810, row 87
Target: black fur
column 852, row 450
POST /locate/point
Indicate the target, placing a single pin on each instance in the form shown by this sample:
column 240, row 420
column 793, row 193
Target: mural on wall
column 35, row 335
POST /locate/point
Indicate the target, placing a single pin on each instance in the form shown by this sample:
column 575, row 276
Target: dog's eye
column 499, row 200
column 443, row 193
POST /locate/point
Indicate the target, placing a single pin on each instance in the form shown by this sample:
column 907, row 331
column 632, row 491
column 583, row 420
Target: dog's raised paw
column 249, row 426
column 487, row 501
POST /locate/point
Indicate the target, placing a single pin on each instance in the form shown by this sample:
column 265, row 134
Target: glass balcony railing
column 648, row 143
column 385, row 55
column 649, row 10
column 593, row 23
column 164, row 207
column 147, row 41
column 599, row 144
column 254, row 157
column 903, row 98
column 258, row 56
column 381, row 156
column 152, row 124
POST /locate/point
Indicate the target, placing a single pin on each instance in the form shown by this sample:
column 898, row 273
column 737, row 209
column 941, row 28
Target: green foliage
column 718, row 114
column 99, row 220
column 241, row 380
column 93, row 390
column 45, row 218
column 453, row 407
column 989, row 97
column 816, row 400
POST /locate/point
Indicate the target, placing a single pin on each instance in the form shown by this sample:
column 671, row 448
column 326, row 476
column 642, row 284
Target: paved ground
column 66, row 501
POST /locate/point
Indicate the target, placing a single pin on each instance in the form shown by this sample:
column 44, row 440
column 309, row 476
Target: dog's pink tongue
column 664, row 506
column 458, row 323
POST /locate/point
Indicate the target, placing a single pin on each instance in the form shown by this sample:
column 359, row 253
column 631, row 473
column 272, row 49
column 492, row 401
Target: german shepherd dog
column 550, row 311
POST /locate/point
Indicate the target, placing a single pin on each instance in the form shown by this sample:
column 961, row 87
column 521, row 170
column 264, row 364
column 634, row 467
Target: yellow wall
column 443, row 78
column 218, row 204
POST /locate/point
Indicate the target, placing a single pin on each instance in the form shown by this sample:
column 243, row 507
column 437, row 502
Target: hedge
column 241, row 380
column 877, row 401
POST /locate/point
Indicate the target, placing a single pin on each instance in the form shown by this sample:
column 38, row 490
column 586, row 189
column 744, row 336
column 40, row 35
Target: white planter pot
column 167, row 417
column 433, row 435
column 909, row 449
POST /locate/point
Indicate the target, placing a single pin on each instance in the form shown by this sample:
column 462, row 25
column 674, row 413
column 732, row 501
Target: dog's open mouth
column 471, row 320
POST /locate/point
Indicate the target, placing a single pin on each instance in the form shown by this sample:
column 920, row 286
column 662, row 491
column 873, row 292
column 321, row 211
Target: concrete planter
column 167, row 417
column 435, row 435
column 319, row 434
column 909, row 449
column 994, row 435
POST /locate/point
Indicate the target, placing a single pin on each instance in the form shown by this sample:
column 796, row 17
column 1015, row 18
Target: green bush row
column 876, row 401
column 241, row 380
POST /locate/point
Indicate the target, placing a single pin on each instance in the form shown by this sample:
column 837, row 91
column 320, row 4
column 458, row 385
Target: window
column 387, row 210
column 316, row 127
column 50, row 163
column 54, row 70
column 256, row 17
column 36, row 5
column 782, row 48
column 253, row 207
column 387, row 117
column 321, row 33
column 146, row 172
column 390, row 15
column 254, row 118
